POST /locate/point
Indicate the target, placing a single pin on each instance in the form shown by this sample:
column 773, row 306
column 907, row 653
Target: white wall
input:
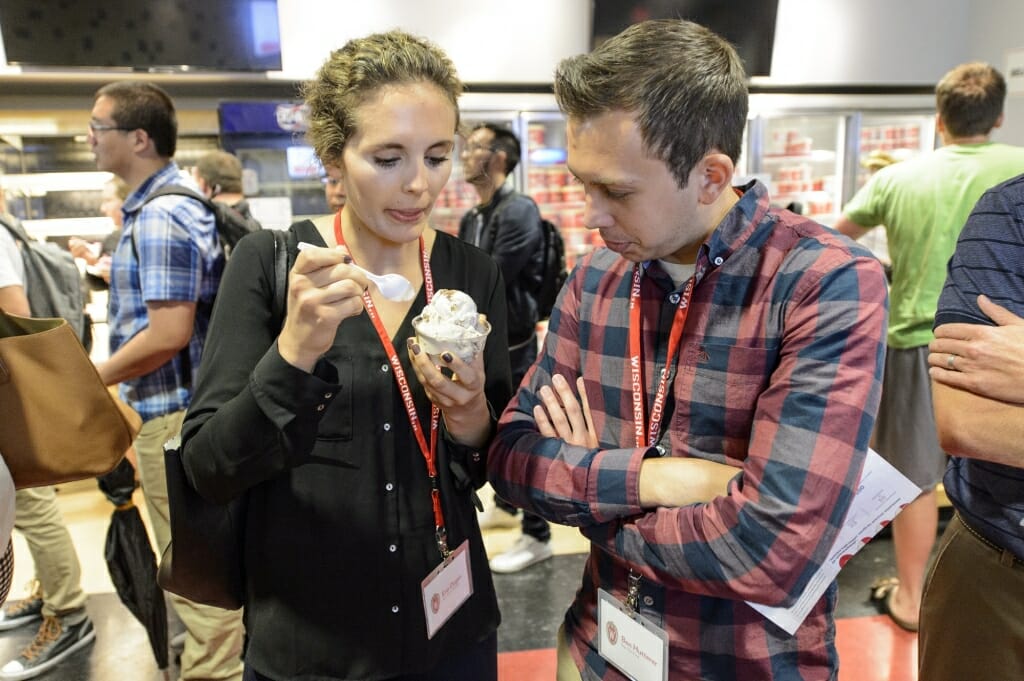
column 995, row 28
column 490, row 41
column 869, row 41
column 521, row 41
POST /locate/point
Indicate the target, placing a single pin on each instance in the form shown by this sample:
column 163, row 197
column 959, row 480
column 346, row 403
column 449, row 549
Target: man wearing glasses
column 164, row 275
column 506, row 224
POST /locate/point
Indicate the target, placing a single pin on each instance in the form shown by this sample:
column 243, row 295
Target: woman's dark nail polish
column 415, row 348
column 347, row 259
column 447, row 357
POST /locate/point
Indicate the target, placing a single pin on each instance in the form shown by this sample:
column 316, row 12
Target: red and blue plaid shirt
column 779, row 375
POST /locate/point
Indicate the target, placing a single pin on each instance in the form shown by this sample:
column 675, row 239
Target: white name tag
column 446, row 588
column 635, row 645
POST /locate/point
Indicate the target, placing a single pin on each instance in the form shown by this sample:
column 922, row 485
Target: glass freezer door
column 887, row 138
column 552, row 186
column 801, row 161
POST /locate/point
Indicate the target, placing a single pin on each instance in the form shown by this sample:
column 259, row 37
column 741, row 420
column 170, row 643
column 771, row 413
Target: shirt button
column 394, row 609
column 387, row 427
column 392, row 548
column 476, row 457
column 674, row 298
column 719, row 260
column 648, row 601
column 384, row 368
column 328, row 396
column 389, row 487
column 320, row 407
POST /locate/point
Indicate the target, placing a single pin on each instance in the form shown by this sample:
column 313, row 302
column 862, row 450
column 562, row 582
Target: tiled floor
column 871, row 648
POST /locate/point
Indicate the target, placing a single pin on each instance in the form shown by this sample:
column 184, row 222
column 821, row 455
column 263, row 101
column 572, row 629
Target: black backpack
column 553, row 272
column 53, row 282
column 552, row 263
column 231, row 225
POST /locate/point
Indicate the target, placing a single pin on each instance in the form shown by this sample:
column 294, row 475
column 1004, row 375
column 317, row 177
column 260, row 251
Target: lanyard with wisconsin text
column 646, row 433
column 429, row 451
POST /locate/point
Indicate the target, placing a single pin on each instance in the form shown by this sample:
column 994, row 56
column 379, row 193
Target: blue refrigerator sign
column 263, row 118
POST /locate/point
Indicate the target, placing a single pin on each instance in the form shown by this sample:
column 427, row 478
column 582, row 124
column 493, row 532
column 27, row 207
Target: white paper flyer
column 882, row 492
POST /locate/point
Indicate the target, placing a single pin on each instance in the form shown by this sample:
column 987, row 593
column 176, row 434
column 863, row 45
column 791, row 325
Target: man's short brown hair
column 684, row 84
column 222, row 171
column 970, row 99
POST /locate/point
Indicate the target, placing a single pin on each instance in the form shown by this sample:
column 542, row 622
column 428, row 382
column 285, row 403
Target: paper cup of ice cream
column 450, row 323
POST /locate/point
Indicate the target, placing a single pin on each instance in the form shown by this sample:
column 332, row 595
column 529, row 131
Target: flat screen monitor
column 143, row 35
column 748, row 24
column 302, row 162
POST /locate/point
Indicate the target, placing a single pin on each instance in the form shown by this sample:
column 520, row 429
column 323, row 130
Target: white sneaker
column 497, row 518
column 522, row 555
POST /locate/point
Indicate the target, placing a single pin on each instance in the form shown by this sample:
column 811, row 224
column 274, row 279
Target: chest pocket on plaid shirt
column 724, row 383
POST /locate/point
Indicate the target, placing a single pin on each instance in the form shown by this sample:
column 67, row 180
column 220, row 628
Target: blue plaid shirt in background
column 169, row 251
column 779, row 374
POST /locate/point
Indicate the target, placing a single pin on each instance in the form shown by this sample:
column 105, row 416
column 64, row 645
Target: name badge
column 635, row 645
column 446, row 588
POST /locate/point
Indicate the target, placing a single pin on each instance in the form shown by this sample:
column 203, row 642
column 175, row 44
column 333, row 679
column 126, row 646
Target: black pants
column 521, row 358
column 479, row 662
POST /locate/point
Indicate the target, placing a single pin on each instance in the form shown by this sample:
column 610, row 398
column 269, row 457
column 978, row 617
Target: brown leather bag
column 59, row 422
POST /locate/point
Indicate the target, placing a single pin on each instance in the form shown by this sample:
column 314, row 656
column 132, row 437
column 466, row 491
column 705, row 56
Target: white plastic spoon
column 391, row 286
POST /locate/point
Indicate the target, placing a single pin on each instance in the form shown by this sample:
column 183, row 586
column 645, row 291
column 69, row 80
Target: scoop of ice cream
column 450, row 322
column 450, row 313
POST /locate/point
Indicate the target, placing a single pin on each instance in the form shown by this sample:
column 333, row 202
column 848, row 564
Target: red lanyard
column 429, row 452
column 647, row 436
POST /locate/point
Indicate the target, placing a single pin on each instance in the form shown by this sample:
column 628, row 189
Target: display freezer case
column 548, row 180
column 801, row 159
column 898, row 136
column 809, row 149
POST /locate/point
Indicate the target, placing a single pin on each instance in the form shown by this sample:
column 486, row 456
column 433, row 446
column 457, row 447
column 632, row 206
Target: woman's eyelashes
column 391, row 162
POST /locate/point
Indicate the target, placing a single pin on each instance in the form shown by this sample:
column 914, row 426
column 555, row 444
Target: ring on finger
column 950, row 362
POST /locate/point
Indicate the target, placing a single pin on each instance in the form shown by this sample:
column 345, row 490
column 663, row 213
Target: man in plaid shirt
column 709, row 381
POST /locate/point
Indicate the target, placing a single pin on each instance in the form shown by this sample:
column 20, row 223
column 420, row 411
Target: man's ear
column 499, row 161
column 714, row 176
column 141, row 141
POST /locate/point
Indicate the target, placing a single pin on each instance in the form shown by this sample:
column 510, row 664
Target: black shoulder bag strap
column 279, row 301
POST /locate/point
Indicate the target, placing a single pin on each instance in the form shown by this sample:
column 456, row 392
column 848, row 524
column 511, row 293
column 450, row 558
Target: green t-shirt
column 923, row 203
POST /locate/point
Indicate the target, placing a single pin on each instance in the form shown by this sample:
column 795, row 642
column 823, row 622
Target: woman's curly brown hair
column 359, row 69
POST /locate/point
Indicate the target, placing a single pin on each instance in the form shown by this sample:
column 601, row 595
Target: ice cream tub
column 451, row 323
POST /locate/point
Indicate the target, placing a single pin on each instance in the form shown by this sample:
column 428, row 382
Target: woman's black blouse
column 339, row 527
